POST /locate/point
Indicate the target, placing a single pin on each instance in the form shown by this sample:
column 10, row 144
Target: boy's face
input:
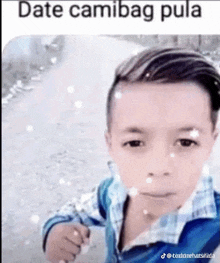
column 161, row 135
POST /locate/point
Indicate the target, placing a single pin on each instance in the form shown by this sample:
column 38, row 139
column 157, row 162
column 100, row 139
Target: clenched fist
column 65, row 240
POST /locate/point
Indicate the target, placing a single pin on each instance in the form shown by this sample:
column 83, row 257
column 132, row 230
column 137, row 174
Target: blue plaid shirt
column 90, row 211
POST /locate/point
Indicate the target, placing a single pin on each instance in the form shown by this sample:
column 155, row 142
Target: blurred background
column 54, row 91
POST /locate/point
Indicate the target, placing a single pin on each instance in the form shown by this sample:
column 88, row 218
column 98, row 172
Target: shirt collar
column 168, row 228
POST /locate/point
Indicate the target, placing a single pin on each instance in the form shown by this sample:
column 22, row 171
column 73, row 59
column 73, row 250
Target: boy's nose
column 158, row 173
column 160, row 163
column 159, row 168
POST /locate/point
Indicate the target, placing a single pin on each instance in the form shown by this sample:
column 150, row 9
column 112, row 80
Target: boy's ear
column 214, row 136
column 108, row 140
column 215, row 133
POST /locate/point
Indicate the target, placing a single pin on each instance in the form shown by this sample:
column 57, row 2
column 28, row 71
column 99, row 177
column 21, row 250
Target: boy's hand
column 65, row 240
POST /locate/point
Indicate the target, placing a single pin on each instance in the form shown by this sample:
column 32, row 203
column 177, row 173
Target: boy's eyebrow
column 133, row 130
column 190, row 128
column 141, row 130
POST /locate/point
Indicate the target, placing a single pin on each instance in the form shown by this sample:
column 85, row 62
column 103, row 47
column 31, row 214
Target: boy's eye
column 186, row 142
column 134, row 143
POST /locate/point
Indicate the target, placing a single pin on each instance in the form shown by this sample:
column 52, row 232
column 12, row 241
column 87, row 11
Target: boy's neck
column 137, row 207
column 136, row 221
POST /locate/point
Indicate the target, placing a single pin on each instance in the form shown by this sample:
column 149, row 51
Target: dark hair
column 168, row 65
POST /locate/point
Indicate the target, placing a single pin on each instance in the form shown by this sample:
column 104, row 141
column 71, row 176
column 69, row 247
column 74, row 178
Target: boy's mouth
column 155, row 195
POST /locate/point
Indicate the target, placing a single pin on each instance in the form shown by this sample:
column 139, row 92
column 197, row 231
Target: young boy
column 159, row 202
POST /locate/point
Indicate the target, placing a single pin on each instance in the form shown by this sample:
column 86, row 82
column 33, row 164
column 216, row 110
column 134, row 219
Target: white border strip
column 14, row 26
